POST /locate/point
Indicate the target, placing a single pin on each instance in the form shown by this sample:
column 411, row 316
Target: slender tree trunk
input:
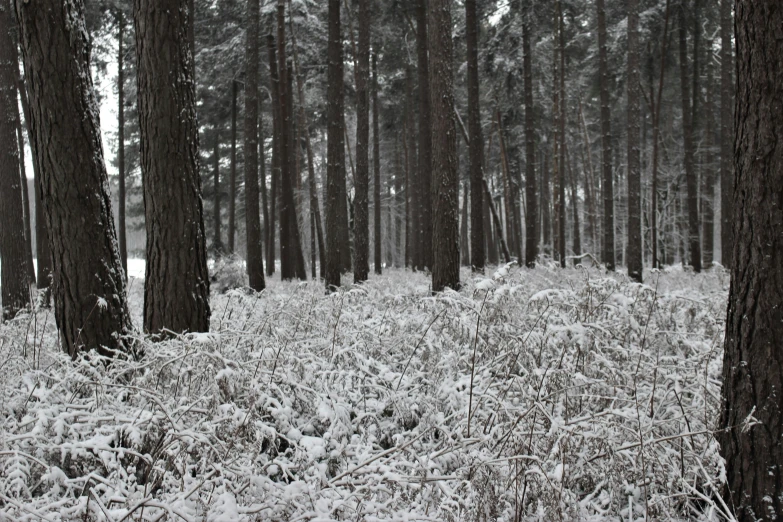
column 634, row 252
column 262, row 175
column 708, row 194
column 362, row 180
column 546, row 209
column 656, row 122
column 176, row 289
column 255, row 256
column 274, row 82
column 232, row 180
column 577, row 234
column 691, row 178
column 335, row 175
column 411, row 160
column 423, row 255
column 399, row 204
column 561, row 211
column 531, row 216
column 296, row 180
column 121, row 197
column 726, row 134
column 751, row 438
column 89, row 291
column 476, row 144
column 608, row 251
column 217, row 241
column 589, row 182
column 376, row 165
column 464, row 240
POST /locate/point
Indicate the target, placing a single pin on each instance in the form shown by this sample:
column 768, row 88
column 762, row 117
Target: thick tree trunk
column 296, row 179
column 445, row 179
column 726, row 134
column 121, row 141
column 423, row 254
column 217, row 242
column 691, row 179
column 335, row 175
column 362, row 181
column 255, row 256
column 176, row 289
column 531, row 216
column 89, row 291
column 232, row 179
column 476, row 144
column 608, row 251
column 634, row 252
column 752, row 437
column 376, row 166
column 13, row 244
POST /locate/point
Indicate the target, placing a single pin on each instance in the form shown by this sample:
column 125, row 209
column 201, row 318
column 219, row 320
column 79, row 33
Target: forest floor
column 541, row 394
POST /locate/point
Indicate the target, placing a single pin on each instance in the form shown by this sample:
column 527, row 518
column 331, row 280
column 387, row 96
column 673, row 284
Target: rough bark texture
column 176, row 290
column 376, row 167
column 445, row 179
column 634, row 246
column 255, row 255
column 726, row 134
column 121, row 141
column 232, row 176
column 752, row 442
column 361, row 226
column 422, row 258
column 476, row 144
column 89, row 291
column 335, row 168
column 531, row 216
column 607, row 252
column 13, row 250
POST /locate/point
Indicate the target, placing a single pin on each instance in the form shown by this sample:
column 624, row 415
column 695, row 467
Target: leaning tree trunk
column 361, row 227
column 445, row 179
column 255, row 256
column 608, row 254
column 89, row 290
column 634, row 251
column 376, row 166
column 335, row 160
column 726, row 134
column 531, row 216
column 476, row 144
column 751, row 440
column 423, row 252
column 13, row 250
column 176, row 289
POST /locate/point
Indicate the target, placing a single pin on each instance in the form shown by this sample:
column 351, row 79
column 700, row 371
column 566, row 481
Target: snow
column 585, row 394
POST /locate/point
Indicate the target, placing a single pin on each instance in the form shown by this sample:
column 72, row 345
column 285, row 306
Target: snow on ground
column 557, row 395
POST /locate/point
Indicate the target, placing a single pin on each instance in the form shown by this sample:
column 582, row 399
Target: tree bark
column 608, row 251
column 176, row 289
column 89, row 291
column 423, row 254
column 708, row 179
column 562, row 106
column 476, row 144
column 265, row 231
column 335, row 174
column 232, row 179
column 28, row 246
column 726, row 134
column 634, row 252
column 217, row 241
column 752, row 417
column 274, row 83
column 531, row 216
column 376, row 165
column 362, row 181
column 121, row 141
column 255, row 256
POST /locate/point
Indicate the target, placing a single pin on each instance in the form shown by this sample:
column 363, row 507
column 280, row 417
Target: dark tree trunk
column 232, row 179
column 546, row 210
column 561, row 207
column 217, row 241
column 335, row 175
column 445, row 179
column 176, row 289
column 531, row 216
column 399, row 205
column 89, row 291
column 255, row 255
column 423, row 251
column 726, row 134
column 634, row 253
column 608, row 251
column 274, row 83
column 656, row 124
column 476, row 144
column 296, row 179
column 265, row 230
column 121, row 141
column 13, row 244
column 464, row 240
column 691, row 179
column 362, row 180
column 751, row 440
column 376, row 166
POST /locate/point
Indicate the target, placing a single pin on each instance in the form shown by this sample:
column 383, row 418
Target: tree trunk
column 691, row 179
column 608, row 251
column 546, row 209
column 89, row 291
column 362, row 181
column 28, row 246
column 531, row 216
column 634, row 252
column 217, row 241
column 232, row 180
column 274, row 83
column 265, row 230
column 423, row 254
column 296, row 179
column 335, row 174
column 176, row 289
column 376, row 165
column 445, row 179
column 577, row 234
column 464, row 240
column 726, row 134
column 708, row 191
column 656, row 123
column 13, row 244
column 411, row 160
column 255, row 256
column 121, row 141
column 561, row 207
column 751, row 440
column 476, row 144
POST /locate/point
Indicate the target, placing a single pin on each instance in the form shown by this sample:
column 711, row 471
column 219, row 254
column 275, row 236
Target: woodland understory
column 544, row 394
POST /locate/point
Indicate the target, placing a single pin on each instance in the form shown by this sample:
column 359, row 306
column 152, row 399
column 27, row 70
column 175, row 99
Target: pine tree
column 634, row 248
column 335, row 175
column 476, row 145
column 361, row 267
column 608, row 251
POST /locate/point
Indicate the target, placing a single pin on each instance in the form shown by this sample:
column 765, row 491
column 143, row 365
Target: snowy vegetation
column 541, row 394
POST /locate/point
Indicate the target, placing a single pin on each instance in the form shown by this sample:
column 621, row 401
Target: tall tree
column 232, row 179
column 335, row 168
column 13, row 273
column 274, row 84
column 361, row 225
column 691, row 178
column 726, row 133
column 176, row 289
column 217, row 241
column 531, row 214
column 89, row 291
column 634, row 252
column 255, row 256
column 751, row 440
column 476, row 145
column 608, row 254
column 561, row 162
column 376, row 163
column 423, row 251
column 121, row 174
column 445, row 186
